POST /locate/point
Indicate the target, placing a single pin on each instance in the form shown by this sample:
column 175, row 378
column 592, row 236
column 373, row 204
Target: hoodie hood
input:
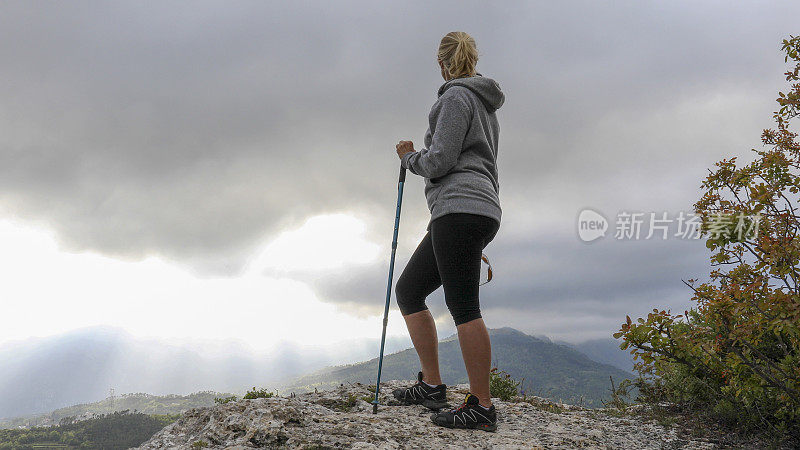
column 484, row 87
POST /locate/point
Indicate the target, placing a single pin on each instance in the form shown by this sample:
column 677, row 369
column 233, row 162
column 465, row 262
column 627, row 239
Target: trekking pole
column 389, row 285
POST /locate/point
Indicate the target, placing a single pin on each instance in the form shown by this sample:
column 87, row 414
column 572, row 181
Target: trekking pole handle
column 402, row 174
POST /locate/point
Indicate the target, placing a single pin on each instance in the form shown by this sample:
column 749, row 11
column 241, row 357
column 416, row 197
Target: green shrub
column 502, row 386
column 223, row 400
column 258, row 393
column 619, row 394
column 734, row 358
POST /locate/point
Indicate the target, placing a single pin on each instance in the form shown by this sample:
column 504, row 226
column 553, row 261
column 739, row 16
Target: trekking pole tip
column 374, row 408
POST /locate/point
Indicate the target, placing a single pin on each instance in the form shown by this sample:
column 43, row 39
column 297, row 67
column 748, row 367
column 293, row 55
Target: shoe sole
column 433, row 405
column 490, row 427
column 487, row 427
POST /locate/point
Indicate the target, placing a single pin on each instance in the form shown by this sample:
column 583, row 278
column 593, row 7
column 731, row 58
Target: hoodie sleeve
column 452, row 124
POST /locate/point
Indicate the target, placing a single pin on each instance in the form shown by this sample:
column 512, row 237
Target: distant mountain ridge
column 140, row 402
column 550, row 370
column 39, row 375
column 604, row 350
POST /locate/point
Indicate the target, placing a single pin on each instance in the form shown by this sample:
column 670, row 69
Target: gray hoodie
column 459, row 162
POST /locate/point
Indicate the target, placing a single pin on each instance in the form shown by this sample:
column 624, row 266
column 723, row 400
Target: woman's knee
column 463, row 310
column 408, row 299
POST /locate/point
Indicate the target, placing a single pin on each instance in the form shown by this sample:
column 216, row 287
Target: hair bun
column 458, row 54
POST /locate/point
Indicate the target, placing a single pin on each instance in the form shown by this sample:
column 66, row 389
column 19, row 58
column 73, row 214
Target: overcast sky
column 226, row 170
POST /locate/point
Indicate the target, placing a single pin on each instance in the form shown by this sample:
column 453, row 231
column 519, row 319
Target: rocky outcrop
column 342, row 418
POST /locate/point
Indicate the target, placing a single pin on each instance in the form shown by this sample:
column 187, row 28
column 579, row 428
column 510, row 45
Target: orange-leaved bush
column 735, row 357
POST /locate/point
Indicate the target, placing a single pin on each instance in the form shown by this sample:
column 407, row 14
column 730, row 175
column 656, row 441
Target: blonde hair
column 458, row 54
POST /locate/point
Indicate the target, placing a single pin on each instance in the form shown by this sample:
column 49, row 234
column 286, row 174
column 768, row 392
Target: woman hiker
column 461, row 189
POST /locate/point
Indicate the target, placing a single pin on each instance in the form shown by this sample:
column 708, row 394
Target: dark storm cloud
column 557, row 275
column 193, row 130
column 191, row 133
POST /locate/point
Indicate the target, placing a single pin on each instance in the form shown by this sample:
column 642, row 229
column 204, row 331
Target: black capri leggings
column 449, row 255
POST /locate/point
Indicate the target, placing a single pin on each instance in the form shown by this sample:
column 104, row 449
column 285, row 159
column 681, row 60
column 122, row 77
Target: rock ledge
column 342, row 418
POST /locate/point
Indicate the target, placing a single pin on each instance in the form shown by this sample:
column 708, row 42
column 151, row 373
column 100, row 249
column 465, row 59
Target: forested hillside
column 549, row 370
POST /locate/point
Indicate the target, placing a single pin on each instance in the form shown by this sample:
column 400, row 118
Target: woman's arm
column 452, row 124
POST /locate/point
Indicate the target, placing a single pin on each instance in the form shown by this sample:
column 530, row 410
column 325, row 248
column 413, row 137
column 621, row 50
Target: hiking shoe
column 421, row 394
column 469, row 415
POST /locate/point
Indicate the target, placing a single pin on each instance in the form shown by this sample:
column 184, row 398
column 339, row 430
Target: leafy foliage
column 619, row 395
column 736, row 357
column 501, row 385
column 223, row 400
column 118, row 430
column 258, row 393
